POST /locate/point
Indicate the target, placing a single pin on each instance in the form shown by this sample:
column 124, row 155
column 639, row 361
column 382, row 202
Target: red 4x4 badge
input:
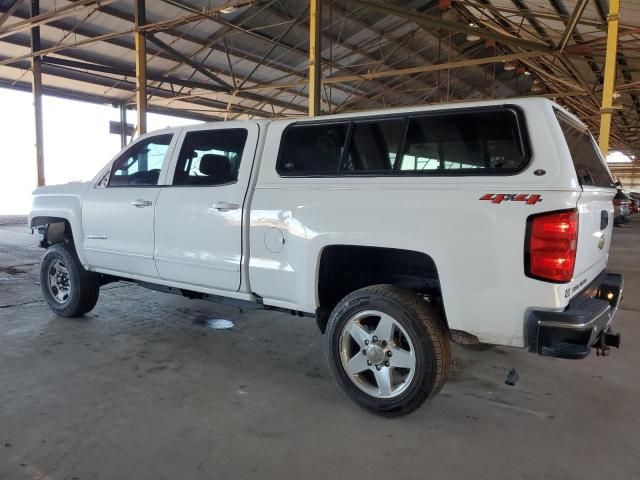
column 529, row 199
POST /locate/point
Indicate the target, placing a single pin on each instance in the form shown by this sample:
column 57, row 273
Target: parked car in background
column 635, row 202
column 622, row 211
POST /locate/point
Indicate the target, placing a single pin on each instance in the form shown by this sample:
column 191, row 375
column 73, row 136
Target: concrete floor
column 143, row 388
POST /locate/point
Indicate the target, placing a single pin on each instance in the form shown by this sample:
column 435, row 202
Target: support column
column 314, row 57
column 610, row 65
column 36, row 87
column 141, row 67
column 123, row 125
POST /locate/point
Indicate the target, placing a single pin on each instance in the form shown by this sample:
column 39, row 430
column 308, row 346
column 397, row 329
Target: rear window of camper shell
column 477, row 141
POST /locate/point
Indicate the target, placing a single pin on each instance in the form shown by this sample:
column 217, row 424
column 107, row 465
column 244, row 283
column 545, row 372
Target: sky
column 77, row 143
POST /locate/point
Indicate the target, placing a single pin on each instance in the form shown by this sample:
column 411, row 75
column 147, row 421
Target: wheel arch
column 53, row 229
column 58, row 229
column 342, row 269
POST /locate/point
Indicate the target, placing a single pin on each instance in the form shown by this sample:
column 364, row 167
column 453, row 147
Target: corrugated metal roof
column 260, row 50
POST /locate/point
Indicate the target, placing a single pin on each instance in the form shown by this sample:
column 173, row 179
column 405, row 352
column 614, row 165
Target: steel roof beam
column 534, row 14
column 409, row 71
column 68, row 94
column 48, row 17
column 397, row 44
column 171, row 31
column 266, row 38
column 123, row 72
column 193, row 64
column 435, row 22
column 130, row 86
column 220, row 33
column 572, row 23
column 10, row 11
column 116, row 39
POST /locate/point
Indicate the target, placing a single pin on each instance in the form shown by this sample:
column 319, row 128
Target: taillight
column 551, row 245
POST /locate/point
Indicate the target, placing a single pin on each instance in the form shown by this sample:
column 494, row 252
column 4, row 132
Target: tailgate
column 595, row 209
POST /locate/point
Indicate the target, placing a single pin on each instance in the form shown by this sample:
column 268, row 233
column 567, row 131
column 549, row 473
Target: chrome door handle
column 141, row 203
column 225, row 206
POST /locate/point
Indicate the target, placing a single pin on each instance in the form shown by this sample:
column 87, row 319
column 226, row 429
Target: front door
column 118, row 212
column 199, row 213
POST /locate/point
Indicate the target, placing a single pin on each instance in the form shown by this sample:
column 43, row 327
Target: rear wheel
column 68, row 288
column 387, row 349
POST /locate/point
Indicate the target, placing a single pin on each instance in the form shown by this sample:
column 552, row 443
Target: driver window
column 140, row 165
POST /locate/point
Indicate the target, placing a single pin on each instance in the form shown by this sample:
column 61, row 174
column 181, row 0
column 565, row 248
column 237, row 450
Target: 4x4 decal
column 529, row 199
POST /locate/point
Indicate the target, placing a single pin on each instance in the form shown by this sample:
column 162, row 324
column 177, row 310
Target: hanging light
column 536, row 87
column 472, row 37
column 510, row 65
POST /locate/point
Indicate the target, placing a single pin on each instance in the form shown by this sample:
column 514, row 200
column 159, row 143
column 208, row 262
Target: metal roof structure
column 219, row 59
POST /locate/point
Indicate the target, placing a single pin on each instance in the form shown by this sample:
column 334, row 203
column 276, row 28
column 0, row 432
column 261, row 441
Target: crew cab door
column 199, row 211
column 118, row 212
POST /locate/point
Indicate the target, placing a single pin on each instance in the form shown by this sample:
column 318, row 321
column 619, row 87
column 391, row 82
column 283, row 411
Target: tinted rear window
column 466, row 142
column 589, row 167
column 313, row 149
column 373, row 146
column 472, row 142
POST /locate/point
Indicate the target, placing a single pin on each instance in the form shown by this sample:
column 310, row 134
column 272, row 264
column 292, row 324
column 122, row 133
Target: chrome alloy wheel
column 377, row 354
column 59, row 281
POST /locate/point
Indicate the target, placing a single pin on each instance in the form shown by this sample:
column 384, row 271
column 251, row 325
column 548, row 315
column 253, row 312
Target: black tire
column 422, row 325
column 84, row 285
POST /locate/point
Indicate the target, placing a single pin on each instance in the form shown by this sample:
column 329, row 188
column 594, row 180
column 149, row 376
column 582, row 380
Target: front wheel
column 387, row 349
column 69, row 289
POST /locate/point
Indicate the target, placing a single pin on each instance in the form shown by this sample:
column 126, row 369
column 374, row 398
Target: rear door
column 199, row 212
column 595, row 206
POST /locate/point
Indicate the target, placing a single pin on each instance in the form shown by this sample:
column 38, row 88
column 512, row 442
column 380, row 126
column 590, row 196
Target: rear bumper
column 585, row 323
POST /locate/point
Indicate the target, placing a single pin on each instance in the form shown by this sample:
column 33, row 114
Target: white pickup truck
column 398, row 230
